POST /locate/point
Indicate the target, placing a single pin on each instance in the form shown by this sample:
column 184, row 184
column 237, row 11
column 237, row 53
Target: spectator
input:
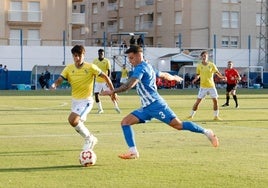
column 132, row 41
column 42, row 81
column 47, row 78
column 5, row 68
column 140, row 41
column 244, row 81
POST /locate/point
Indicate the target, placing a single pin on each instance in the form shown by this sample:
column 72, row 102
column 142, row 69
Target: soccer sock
column 227, row 99
column 82, row 129
column 216, row 113
column 192, row 113
column 235, row 99
column 193, row 127
column 129, row 135
column 115, row 104
column 99, row 105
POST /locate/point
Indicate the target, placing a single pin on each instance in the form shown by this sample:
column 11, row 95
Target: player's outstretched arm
column 110, row 85
column 170, row 77
column 56, row 83
column 124, row 87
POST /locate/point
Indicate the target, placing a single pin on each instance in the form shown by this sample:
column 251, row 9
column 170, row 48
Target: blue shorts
column 158, row 110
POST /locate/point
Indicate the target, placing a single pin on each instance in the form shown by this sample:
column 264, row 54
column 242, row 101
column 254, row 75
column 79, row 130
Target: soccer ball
column 87, row 158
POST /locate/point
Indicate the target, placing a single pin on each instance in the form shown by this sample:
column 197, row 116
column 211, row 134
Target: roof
column 178, row 57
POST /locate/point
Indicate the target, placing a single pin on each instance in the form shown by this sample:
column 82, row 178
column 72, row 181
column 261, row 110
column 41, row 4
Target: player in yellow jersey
column 205, row 71
column 100, row 84
column 124, row 75
column 80, row 76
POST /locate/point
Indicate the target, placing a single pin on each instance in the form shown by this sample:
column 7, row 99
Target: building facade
column 38, row 22
column 173, row 23
column 226, row 24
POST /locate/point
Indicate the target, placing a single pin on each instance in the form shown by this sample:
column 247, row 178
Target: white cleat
column 90, row 142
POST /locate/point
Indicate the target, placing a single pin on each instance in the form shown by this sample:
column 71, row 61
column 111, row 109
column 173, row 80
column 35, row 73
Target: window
column 137, row 23
column 121, row 3
column 178, row 17
column 137, row 3
column 260, row 19
column 34, row 11
column 95, row 8
column 234, row 19
column 14, row 37
column 102, row 25
column 82, row 8
column 159, row 19
column 234, row 42
column 33, row 38
column 121, row 23
column 225, row 42
column 229, row 41
column 15, row 11
column 230, row 19
column 94, row 27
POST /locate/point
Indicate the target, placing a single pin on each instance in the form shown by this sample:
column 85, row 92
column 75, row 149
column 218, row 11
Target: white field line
column 33, row 108
column 73, row 135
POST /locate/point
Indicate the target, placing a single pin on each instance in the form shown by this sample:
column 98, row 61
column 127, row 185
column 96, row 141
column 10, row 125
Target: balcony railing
column 24, row 16
column 79, row 18
column 27, row 42
column 148, row 25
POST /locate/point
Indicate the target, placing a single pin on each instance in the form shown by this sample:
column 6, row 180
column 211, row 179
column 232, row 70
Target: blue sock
column 129, row 135
column 191, row 126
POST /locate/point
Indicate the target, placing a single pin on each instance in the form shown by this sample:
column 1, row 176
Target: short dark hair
column 203, row 52
column 134, row 49
column 78, row 49
column 100, row 50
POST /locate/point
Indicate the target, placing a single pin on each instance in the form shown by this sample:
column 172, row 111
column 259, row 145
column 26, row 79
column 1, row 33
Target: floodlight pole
column 21, row 50
column 64, row 47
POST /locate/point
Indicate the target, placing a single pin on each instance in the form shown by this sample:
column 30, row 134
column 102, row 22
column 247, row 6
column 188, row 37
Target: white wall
column 54, row 55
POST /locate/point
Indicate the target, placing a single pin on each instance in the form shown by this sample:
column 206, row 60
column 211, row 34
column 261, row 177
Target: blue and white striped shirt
column 146, row 87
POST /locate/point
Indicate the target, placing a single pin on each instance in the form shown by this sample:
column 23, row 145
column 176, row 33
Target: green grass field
column 38, row 148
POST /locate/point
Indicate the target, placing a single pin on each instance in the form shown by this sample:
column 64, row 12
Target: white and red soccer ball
column 87, row 158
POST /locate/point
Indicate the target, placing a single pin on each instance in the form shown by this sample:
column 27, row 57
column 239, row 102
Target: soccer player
column 100, row 84
column 152, row 104
column 80, row 76
column 124, row 75
column 232, row 79
column 205, row 72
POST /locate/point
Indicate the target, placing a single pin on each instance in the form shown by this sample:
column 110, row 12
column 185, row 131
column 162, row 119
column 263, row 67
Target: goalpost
column 253, row 74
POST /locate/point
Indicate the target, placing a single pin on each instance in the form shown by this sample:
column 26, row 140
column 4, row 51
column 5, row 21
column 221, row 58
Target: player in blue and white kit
column 153, row 105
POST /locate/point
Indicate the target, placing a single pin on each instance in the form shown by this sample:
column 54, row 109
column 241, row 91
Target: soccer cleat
column 90, row 142
column 129, row 155
column 224, row 105
column 100, row 111
column 190, row 117
column 212, row 138
column 118, row 110
column 237, row 106
column 217, row 118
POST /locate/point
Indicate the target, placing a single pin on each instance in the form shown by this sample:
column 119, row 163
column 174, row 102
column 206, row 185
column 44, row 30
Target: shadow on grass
column 44, row 168
column 41, row 152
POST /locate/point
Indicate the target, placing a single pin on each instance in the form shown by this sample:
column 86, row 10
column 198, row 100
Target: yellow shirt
column 124, row 73
column 206, row 73
column 104, row 65
column 81, row 79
